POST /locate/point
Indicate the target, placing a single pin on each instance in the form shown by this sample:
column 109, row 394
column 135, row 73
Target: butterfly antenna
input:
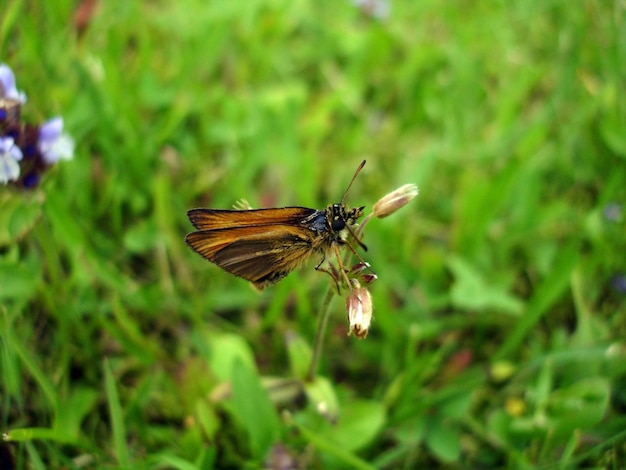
column 358, row 170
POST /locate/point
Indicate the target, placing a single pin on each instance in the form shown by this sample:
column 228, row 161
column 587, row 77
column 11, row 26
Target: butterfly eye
column 338, row 224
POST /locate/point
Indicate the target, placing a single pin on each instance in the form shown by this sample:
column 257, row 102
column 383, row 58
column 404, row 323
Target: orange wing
column 261, row 246
column 214, row 219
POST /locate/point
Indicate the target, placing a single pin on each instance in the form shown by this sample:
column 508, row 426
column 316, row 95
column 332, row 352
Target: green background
column 498, row 338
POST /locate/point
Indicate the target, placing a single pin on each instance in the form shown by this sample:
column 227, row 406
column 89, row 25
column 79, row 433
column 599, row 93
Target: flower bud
column 359, row 267
column 393, row 201
column 359, row 307
column 369, row 278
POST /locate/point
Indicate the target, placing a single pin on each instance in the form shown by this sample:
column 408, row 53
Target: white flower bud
column 393, row 201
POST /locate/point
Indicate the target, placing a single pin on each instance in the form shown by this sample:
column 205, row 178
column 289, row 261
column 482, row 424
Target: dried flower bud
column 356, row 274
column 369, row 278
column 359, row 307
column 393, row 201
column 359, row 267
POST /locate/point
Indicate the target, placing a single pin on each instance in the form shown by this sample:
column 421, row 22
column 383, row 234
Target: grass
column 499, row 321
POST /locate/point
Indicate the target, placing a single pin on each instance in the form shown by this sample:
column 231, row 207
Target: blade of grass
column 29, row 434
column 545, row 296
column 117, row 417
column 47, row 387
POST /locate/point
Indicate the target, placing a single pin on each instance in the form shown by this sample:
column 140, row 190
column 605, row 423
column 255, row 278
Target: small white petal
column 9, row 168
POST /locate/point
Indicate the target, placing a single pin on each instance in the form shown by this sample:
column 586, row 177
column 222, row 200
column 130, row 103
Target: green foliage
column 499, row 317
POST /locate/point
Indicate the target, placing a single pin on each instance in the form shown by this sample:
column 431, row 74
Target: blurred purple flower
column 7, row 85
column 619, row 283
column 53, row 144
column 27, row 150
column 10, row 154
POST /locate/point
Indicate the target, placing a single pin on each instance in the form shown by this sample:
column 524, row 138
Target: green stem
column 322, row 323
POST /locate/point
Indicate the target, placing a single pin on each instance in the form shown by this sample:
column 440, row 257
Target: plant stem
column 322, row 323
column 324, row 314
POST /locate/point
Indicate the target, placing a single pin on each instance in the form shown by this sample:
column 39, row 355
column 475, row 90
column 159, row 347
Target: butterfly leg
column 331, row 271
column 340, row 271
column 358, row 256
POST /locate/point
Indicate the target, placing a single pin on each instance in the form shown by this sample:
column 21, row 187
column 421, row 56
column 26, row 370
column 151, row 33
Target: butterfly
column 264, row 245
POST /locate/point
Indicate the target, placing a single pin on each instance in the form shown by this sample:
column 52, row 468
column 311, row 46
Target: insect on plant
column 264, row 245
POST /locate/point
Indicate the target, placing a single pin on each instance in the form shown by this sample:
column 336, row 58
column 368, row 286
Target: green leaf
column 173, row 462
column 141, row 237
column 456, row 406
column 207, row 418
column 471, row 291
column 358, row 424
column 73, row 410
column 444, row 440
column 547, row 293
column 19, row 279
column 580, row 406
column 299, row 354
column 227, row 350
column 331, row 448
column 499, row 424
column 252, row 405
column 612, row 131
column 321, row 394
column 19, row 212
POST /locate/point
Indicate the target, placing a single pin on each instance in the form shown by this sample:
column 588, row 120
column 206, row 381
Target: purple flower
column 7, row 85
column 53, row 144
column 10, row 154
